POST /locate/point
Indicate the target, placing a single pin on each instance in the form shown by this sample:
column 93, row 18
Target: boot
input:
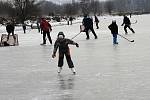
column 59, row 69
column 73, row 70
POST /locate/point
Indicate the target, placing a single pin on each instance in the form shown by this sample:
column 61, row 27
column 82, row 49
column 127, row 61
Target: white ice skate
column 59, row 69
column 73, row 70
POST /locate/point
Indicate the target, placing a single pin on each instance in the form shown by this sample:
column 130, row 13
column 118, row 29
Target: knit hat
column 61, row 35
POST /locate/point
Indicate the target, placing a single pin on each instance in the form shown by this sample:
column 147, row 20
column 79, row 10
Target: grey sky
column 64, row 1
column 56, row 1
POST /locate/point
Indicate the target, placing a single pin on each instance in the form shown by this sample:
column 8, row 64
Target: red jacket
column 45, row 26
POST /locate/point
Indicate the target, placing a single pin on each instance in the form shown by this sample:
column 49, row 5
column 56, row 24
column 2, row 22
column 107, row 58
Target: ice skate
column 73, row 71
column 59, row 69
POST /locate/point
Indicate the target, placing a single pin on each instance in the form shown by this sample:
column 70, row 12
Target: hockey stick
column 126, row 38
column 82, row 28
column 75, row 36
column 134, row 22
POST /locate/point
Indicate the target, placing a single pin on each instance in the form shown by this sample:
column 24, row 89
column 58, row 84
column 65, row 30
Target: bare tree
column 71, row 9
column 5, row 8
column 95, row 6
column 25, row 9
column 85, row 6
column 68, row 9
column 49, row 8
column 109, row 6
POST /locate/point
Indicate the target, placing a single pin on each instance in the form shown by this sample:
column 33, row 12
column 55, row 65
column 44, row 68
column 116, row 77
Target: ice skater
column 88, row 24
column 10, row 29
column 38, row 26
column 24, row 27
column 96, row 21
column 127, row 23
column 62, row 43
column 46, row 29
column 71, row 19
column 114, row 31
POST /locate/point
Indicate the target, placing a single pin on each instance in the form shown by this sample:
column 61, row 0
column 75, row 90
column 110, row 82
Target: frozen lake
column 104, row 71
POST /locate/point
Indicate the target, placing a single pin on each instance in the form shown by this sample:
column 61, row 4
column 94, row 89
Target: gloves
column 77, row 45
column 53, row 55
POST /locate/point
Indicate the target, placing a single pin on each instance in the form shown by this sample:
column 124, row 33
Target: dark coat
column 10, row 28
column 87, row 22
column 70, row 19
column 24, row 26
column 62, row 44
column 96, row 19
column 114, row 28
column 126, row 21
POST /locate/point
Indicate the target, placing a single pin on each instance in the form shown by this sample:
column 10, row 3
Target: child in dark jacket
column 62, row 44
column 114, row 31
column 10, row 29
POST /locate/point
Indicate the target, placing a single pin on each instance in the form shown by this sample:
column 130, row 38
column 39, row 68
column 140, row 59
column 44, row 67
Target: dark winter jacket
column 24, row 26
column 87, row 22
column 62, row 44
column 10, row 28
column 70, row 19
column 114, row 28
column 126, row 21
column 96, row 19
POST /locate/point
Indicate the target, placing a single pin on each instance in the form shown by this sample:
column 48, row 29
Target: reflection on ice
column 66, row 86
column 66, row 82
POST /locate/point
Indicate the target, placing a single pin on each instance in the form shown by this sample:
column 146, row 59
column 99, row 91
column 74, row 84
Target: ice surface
column 104, row 71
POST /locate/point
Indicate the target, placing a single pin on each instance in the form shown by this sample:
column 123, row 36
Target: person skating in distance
column 114, row 31
column 127, row 23
column 96, row 21
column 62, row 43
column 10, row 27
column 88, row 24
column 46, row 28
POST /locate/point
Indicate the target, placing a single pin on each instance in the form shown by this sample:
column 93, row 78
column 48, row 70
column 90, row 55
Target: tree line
column 26, row 9
column 96, row 7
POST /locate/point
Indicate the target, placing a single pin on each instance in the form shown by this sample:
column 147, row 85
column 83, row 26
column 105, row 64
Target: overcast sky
column 57, row 1
column 64, row 1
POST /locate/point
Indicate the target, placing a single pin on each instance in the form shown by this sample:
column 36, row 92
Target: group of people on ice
column 114, row 28
column 62, row 42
